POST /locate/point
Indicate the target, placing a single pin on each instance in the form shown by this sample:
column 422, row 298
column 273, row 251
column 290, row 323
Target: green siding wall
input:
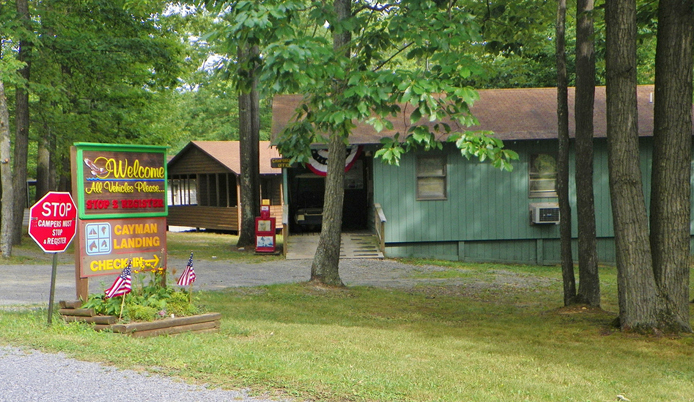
column 536, row 251
column 439, row 251
column 485, row 216
column 483, row 202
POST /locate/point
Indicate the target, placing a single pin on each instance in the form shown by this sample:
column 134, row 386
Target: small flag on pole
column 122, row 285
column 188, row 275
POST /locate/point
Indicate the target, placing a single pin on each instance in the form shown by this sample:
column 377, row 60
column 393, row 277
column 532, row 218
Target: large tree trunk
column 7, row 209
column 254, row 145
column 637, row 292
column 326, row 262
column 589, row 281
column 672, row 137
column 43, row 161
column 21, row 142
column 325, row 266
column 567, row 264
column 64, row 182
column 249, row 133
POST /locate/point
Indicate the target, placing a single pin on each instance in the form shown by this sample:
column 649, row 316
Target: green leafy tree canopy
column 406, row 53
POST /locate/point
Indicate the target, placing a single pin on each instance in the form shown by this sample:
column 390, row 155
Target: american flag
column 122, row 285
column 188, row 275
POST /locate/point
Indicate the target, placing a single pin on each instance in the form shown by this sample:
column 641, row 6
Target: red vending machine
column 265, row 230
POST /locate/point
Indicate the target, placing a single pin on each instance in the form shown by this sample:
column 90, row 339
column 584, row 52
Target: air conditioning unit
column 544, row 213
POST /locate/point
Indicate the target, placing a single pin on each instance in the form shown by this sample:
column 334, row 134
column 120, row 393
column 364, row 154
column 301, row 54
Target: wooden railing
column 380, row 224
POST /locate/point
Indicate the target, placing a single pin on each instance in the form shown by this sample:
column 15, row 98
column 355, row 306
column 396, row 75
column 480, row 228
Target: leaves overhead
column 98, row 67
column 387, row 65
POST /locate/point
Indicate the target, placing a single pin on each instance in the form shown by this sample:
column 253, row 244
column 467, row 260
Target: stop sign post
column 52, row 225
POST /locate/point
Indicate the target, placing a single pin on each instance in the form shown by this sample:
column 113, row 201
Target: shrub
column 146, row 302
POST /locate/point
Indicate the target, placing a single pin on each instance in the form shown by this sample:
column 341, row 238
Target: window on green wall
column 431, row 177
column 543, row 175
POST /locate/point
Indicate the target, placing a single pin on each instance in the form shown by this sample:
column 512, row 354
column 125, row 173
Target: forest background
column 103, row 71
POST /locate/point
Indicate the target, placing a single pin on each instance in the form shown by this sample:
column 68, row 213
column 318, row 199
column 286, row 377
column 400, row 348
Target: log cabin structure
column 204, row 188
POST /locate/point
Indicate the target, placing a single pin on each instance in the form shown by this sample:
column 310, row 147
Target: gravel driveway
column 32, row 376
column 30, row 284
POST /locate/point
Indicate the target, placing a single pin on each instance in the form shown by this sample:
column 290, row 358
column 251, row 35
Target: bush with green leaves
column 147, row 301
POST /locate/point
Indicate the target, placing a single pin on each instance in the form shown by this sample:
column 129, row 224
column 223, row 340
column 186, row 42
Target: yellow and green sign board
column 120, row 181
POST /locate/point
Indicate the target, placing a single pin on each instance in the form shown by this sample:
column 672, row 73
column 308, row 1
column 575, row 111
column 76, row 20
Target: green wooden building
column 442, row 205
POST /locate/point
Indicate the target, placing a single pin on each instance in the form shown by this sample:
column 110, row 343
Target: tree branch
column 382, row 8
column 378, row 67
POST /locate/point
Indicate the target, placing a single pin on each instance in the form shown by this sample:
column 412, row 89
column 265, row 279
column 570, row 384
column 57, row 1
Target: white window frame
column 542, row 184
column 429, row 178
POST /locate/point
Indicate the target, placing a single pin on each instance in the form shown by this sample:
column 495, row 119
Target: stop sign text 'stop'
column 58, row 209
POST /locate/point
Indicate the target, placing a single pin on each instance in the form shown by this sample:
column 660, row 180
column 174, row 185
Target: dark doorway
column 306, row 193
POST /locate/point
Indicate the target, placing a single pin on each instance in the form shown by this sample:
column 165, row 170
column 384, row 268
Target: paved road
column 30, row 284
column 33, row 376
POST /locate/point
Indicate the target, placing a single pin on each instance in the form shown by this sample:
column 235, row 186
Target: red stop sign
column 52, row 222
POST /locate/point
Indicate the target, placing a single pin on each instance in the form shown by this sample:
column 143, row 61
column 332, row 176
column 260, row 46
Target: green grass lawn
column 499, row 340
column 212, row 246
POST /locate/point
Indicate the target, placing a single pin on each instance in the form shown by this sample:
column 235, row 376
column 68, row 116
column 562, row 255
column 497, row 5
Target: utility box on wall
column 542, row 213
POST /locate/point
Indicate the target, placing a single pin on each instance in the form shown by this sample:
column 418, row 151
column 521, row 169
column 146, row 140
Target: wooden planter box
column 71, row 311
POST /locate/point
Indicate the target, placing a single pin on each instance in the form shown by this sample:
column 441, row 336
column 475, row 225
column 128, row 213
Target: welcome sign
column 116, row 181
column 121, row 198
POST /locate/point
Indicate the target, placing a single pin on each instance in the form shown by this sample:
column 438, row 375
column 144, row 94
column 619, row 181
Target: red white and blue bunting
column 319, row 159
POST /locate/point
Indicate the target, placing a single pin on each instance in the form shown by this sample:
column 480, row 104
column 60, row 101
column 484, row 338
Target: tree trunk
column 672, row 138
column 53, row 166
column 325, row 266
column 567, row 264
column 637, row 291
column 21, row 142
column 326, row 262
column 589, row 280
column 255, row 143
column 65, row 180
column 45, row 172
column 43, row 162
column 249, row 133
column 7, row 221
